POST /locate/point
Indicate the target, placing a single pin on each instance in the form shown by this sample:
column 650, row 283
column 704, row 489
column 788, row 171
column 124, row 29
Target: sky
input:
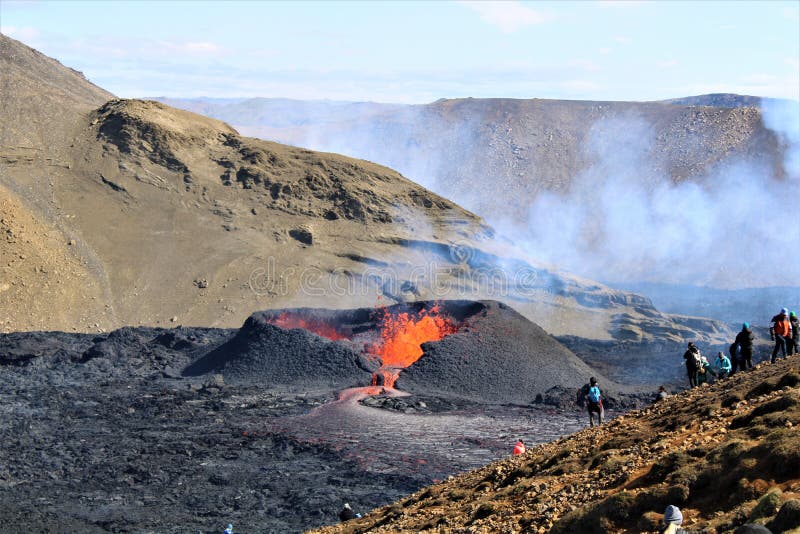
column 418, row 52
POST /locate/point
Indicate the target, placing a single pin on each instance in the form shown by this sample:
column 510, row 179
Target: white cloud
column 508, row 16
column 586, row 65
column 581, row 88
column 621, row 3
column 201, row 48
column 621, row 39
column 668, row 64
column 26, row 34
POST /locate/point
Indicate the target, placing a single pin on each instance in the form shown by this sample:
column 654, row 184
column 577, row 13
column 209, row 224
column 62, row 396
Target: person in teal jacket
column 722, row 365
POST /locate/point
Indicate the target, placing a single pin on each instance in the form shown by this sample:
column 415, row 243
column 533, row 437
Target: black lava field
column 271, row 429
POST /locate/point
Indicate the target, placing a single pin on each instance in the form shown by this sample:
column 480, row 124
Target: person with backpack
column 733, row 351
column 794, row 348
column 744, row 339
column 692, row 357
column 781, row 333
column 594, row 401
column 704, row 370
column 519, row 448
column 722, row 366
column 347, row 513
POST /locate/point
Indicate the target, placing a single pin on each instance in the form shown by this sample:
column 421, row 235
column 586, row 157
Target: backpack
column 594, row 394
column 698, row 360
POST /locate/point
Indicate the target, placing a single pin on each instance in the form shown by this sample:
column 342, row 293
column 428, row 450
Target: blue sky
column 415, row 52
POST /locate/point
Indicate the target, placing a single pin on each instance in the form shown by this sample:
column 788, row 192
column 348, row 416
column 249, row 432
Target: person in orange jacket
column 781, row 333
column 519, row 448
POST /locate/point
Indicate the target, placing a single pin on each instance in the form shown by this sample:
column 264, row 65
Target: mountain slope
column 726, row 455
column 610, row 190
column 171, row 217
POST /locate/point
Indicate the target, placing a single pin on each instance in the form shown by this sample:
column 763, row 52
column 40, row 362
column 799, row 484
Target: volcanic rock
column 716, row 463
column 496, row 356
column 266, row 355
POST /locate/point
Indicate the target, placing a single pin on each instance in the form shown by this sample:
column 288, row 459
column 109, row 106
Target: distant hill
column 126, row 212
column 723, row 100
column 609, row 190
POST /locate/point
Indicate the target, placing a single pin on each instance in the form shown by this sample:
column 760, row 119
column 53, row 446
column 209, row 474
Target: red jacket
column 519, row 448
column 782, row 326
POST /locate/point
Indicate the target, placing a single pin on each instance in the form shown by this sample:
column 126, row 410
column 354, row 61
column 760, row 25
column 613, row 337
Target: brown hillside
column 176, row 218
column 725, row 454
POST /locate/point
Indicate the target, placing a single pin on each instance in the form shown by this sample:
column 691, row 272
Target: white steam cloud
column 731, row 228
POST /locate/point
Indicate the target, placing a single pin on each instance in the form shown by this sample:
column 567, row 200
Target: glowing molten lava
column 288, row 321
column 401, row 338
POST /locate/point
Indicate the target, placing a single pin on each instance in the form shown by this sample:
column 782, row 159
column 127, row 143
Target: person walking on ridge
column 781, row 333
column 692, row 357
column 794, row 343
column 594, row 401
column 744, row 339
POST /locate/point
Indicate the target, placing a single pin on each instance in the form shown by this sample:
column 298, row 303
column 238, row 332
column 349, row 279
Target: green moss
column 768, row 505
column 790, row 379
column 669, row 464
column 485, row 510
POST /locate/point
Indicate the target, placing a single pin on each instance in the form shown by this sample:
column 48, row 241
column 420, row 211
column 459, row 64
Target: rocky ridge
column 727, row 454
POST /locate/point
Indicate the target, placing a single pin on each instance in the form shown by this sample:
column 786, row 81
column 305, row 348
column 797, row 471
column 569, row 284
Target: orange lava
column 288, row 321
column 402, row 336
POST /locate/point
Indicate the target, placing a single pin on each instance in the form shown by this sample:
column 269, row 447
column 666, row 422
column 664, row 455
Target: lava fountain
column 402, row 336
column 393, row 340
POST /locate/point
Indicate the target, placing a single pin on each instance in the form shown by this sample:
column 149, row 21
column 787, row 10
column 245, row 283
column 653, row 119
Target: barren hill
column 610, row 190
column 727, row 454
column 472, row 146
column 153, row 215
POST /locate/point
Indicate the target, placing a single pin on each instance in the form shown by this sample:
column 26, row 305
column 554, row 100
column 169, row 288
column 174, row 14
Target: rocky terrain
column 727, row 455
column 155, row 216
column 135, row 431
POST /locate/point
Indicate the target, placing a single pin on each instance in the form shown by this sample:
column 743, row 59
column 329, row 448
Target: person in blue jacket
column 722, row 366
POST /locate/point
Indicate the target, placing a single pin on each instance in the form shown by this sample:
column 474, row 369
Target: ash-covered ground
column 122, row 432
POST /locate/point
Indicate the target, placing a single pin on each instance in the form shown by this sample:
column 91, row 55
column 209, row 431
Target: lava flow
column 289, row 320
column 401, row 338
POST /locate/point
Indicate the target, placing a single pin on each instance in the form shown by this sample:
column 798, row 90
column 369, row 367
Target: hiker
column 692, row 357
column 673, row 518
column 744, row 339
column 519, row 448
column 722, row 366
column 594, row 401
column 228, row 530
column 703, row 370
column 733, row 352
column 780, row 332
column 661, row 394
column 793, row 347
column 347, row 513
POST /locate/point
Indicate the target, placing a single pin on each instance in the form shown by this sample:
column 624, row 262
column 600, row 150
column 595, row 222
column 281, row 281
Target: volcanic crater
column 478, row 350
